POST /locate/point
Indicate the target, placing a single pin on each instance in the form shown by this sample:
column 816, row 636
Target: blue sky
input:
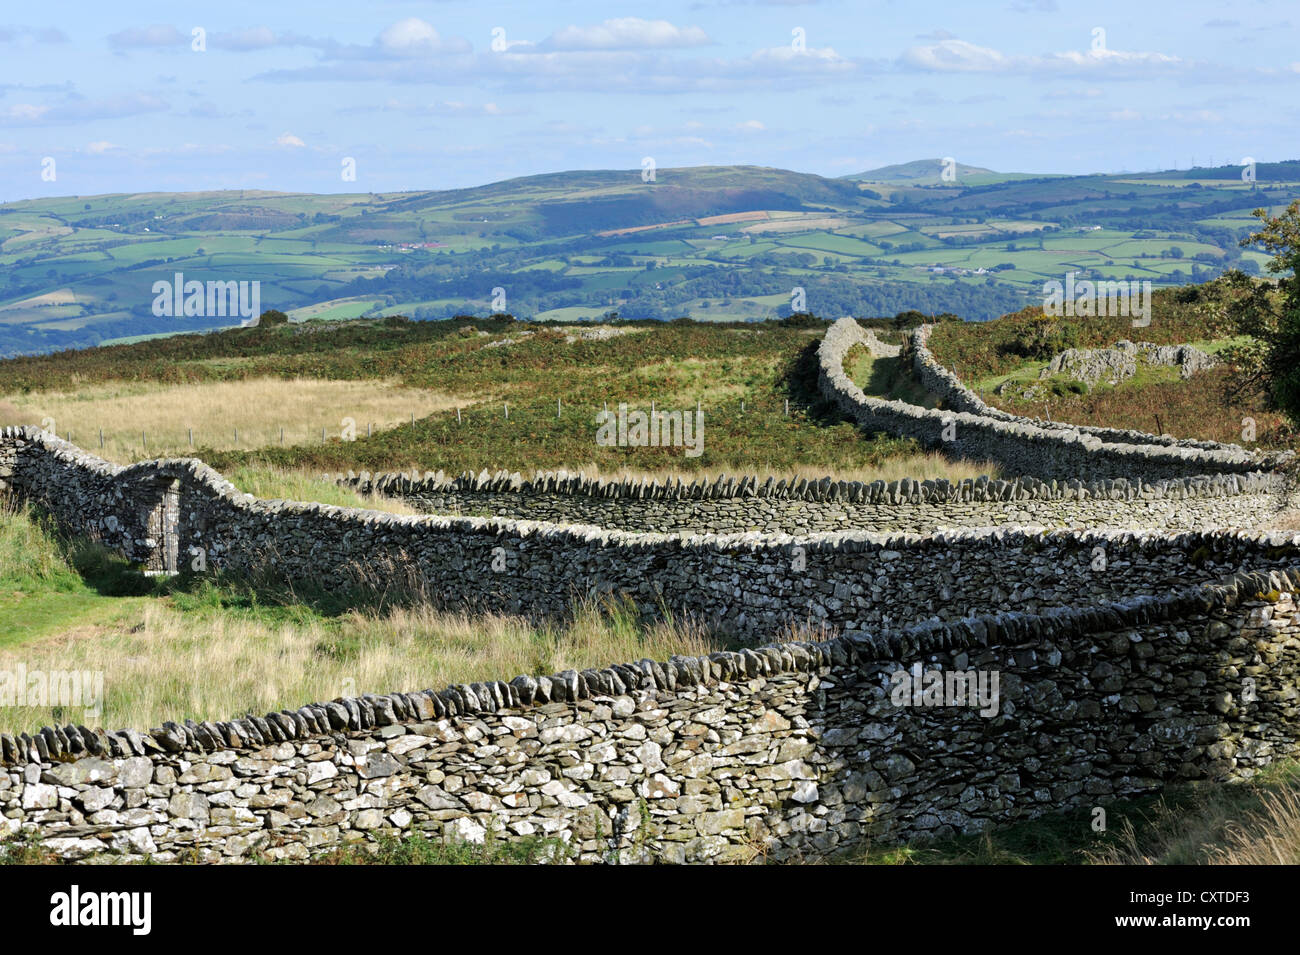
column 435, row 95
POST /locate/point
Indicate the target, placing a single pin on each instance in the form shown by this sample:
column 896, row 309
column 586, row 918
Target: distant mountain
column 919, row 170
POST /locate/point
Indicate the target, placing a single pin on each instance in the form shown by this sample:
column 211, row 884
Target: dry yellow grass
column 159, row 663
column 1269, row 836
column 258, row 408
column 1251, row 823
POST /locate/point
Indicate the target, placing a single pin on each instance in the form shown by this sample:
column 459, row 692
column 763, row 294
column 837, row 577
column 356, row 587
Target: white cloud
column 411, row 35
column 750, row 126
column 101, row 146
column 443, row 108
column 414, row 38
column 24, row 113
column 961, row 56
column 608, row 71
column 289, row 140
column 955, row 55
column 626, row 33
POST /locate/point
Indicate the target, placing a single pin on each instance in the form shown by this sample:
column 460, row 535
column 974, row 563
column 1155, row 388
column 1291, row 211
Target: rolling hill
column 724, row 242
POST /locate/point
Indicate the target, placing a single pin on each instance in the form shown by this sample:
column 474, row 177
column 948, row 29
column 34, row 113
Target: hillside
column 731, row 243
column 925, row 170
column 454, row 395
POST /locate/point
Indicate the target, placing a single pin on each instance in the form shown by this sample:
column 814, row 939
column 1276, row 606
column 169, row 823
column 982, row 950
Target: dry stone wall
column 786, row 751
column 955, row 395
column 1072, row 476
column 1020, row 445
column 731, row 505
column 747, row 585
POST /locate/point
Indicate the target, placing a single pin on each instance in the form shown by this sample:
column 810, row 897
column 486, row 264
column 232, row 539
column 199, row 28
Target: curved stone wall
column 1019, row 445
column 747, row 585
column 955, row 395
column 1073, row 476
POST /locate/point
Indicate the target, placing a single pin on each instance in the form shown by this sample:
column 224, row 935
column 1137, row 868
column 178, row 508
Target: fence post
column 458, row 414
column 191, row 430
column 101, row 438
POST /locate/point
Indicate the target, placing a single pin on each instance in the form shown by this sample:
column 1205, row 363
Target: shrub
column 1043, row 336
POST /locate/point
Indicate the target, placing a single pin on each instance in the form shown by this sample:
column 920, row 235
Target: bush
column 1044, row 336
column 272, row 316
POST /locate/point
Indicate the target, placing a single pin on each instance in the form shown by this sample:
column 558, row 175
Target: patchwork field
column 722, row 243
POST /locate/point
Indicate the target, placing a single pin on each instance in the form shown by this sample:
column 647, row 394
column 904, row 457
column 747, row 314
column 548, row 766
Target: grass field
column 506, row 377
column 208, row 648
column 140, row 420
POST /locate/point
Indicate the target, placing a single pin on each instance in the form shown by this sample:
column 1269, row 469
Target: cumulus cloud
column 626, row 33
column 409, row 36
column 406, row 39
column 289, row 140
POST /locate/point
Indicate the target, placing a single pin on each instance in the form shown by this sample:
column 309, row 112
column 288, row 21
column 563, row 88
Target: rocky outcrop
column 1114, row 365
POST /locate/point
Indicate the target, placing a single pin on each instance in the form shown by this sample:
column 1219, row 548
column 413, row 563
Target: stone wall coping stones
column 897, row 492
